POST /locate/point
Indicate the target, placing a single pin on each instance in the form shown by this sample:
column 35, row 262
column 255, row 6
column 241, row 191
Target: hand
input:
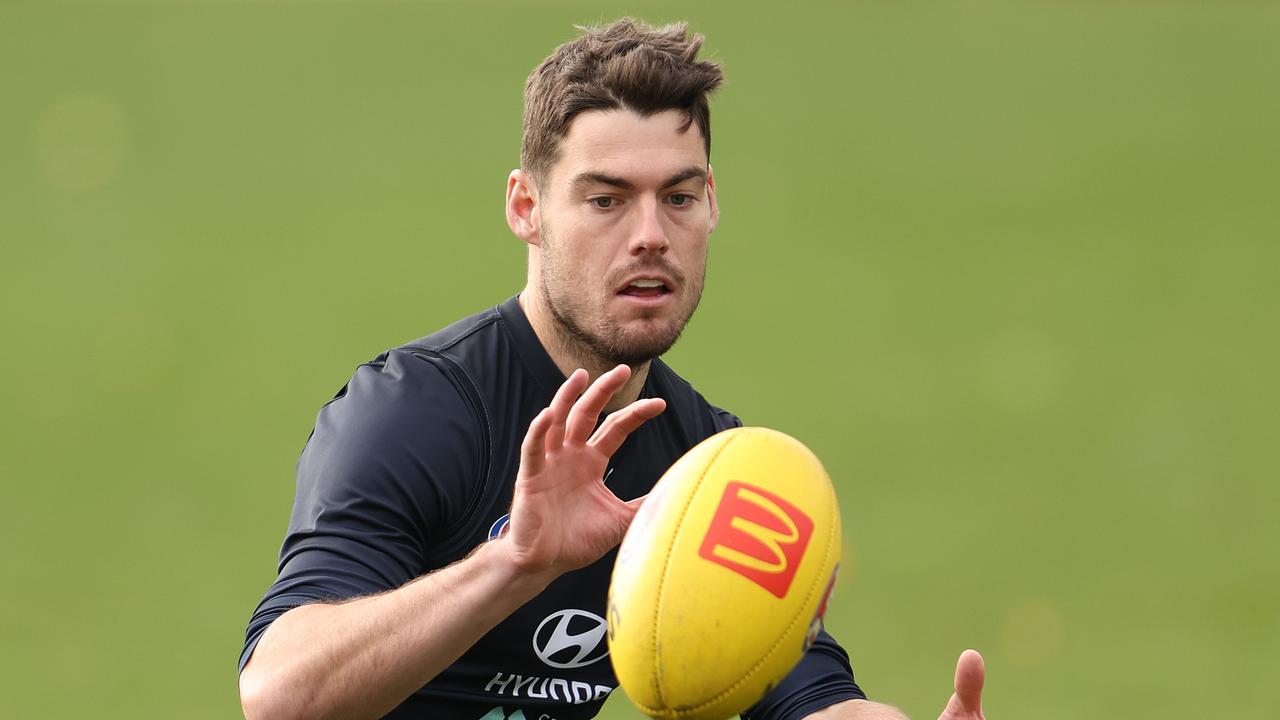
column 966, row 702
column 562, row 515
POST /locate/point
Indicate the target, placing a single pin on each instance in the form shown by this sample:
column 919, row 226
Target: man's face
column 624, row 217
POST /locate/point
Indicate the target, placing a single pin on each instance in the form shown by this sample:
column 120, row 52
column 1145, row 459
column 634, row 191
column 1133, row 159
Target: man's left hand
column 965, row 702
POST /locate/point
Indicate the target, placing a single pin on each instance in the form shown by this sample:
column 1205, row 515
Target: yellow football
column 723, row 576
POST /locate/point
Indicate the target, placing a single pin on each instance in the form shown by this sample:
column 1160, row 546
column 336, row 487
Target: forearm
column 363, row 657
column 858, row 710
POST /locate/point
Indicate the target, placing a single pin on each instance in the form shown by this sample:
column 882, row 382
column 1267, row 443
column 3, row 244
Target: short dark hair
column 625, row 65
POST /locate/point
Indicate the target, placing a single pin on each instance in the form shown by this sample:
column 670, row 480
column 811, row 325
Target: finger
column 560, row 406
column 622, row 423
column 607, row 427
column 615, row 429
column 618, row 425
column 532, row 456
column 585, row 413
column 971, row 674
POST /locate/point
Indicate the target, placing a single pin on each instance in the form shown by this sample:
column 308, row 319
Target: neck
column 569, row 354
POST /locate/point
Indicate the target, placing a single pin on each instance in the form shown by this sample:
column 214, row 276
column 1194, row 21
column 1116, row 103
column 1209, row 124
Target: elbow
column 262, row 698
column 275, row 683
column 252, row 702
column 255, row 697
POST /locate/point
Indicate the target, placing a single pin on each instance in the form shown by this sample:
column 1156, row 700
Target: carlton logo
column 758, row 535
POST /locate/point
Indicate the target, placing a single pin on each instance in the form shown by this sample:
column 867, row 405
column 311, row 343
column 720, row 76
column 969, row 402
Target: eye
column 681, row 199
column 604, row 202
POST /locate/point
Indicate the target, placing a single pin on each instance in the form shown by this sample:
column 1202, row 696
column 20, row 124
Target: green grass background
column 1009, row 267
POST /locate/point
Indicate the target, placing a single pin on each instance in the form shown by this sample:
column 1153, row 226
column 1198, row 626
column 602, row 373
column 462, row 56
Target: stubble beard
column 603, row 339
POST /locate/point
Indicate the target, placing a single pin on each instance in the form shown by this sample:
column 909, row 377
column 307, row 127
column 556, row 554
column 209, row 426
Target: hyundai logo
column 570, row 639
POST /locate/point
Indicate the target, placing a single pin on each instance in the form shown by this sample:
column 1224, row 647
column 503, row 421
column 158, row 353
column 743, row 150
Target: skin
column 628, row 196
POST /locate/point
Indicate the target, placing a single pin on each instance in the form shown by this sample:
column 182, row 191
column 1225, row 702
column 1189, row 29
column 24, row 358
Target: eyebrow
column 588, row 178
column 689, row 173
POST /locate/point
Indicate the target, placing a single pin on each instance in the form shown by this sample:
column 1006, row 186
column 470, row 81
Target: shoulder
column 396, row 392
column 468, row 334
column 399, row 454
column 481, row 353
column 411, row 420
column 404, row 426
column 425, row 384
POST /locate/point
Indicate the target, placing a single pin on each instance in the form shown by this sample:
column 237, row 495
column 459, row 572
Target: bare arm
column 361, row 658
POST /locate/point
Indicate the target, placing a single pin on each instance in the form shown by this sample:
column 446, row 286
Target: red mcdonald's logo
column 758, row 535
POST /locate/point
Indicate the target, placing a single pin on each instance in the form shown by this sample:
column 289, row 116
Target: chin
column 627, row 340
column 641, row 345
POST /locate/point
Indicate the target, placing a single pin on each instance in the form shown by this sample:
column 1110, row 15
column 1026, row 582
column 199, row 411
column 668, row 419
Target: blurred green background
column 1010, row 268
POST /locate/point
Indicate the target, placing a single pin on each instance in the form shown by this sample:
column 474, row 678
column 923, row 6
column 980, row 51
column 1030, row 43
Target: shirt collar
column 528, row 345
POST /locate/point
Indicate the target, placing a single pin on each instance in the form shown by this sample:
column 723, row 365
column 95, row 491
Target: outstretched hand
column 966, row 702
column 562, row 515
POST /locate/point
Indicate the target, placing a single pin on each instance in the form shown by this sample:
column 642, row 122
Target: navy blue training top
column 411, row 466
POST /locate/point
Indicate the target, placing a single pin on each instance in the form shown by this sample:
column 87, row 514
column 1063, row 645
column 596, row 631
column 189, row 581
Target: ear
column 522, row 208
column 711, row 198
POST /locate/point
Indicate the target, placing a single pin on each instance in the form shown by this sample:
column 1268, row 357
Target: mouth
column 647, row 288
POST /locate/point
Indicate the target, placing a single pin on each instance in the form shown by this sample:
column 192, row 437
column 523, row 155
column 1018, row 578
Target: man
column 459, row 501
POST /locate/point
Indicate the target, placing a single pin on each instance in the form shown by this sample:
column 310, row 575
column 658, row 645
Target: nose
column 649, row 235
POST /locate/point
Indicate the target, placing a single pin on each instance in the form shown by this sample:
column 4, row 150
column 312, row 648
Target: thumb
column 971, row 673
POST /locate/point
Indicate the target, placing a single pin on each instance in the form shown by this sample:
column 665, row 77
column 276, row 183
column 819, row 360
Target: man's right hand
column 562, row 515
